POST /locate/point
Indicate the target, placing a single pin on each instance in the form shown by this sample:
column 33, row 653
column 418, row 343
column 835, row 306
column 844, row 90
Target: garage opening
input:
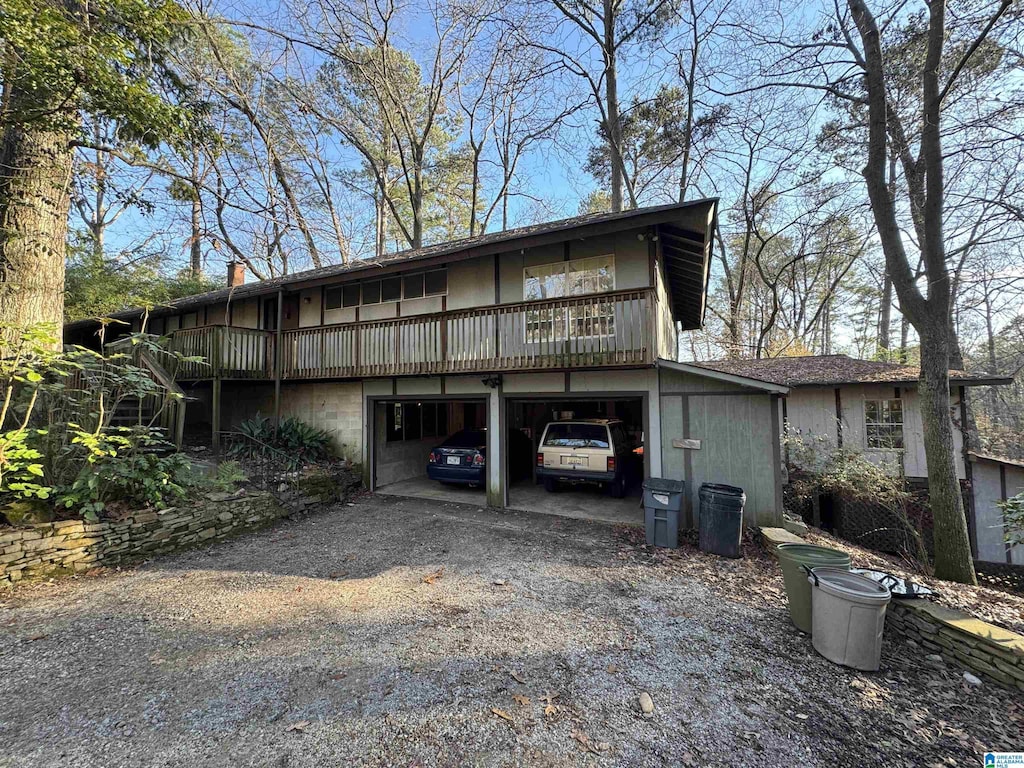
column 590, row 465
column 431, row 448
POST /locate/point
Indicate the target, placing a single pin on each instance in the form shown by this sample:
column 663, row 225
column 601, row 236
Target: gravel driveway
column 397, row 632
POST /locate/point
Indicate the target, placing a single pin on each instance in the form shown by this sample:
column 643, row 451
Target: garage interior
column 526, row 419
column 404, row 432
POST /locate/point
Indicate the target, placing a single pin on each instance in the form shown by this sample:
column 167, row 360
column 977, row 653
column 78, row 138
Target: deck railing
column 610, row 329
column 233, row 353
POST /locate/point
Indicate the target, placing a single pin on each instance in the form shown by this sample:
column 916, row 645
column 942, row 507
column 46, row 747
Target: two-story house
column 504, row 331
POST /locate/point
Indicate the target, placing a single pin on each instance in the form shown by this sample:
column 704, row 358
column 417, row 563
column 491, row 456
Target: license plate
column 574, row 460
column 454, row 459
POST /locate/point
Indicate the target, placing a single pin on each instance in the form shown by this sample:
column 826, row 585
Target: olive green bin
column 798, row 589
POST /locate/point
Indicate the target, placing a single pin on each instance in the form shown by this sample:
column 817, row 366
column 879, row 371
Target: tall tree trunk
column 885, row 314
column 611, row 93
column 929, row 313
column 35, row 198
column 196, row 250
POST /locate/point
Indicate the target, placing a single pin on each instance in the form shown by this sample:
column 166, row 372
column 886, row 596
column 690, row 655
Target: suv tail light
column 540, row 459
column 611, row 463
column 479, row 460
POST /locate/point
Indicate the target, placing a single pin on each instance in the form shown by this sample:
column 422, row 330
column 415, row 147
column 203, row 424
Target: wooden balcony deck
column 603, row 330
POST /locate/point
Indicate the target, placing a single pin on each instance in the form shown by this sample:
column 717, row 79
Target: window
column 350, row 295
column 393, row 412
column 333, row 297
column 415, row 421
column 391, row 289
column 577, row 277
column 883, row 424
column 371, row 292
column 412, row 286
column 436, row 282
column 577, row 436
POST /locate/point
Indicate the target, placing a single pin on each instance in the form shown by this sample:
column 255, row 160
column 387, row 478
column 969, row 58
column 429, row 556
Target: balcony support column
column 216, row 401
column 278, row 353
column 495, row 447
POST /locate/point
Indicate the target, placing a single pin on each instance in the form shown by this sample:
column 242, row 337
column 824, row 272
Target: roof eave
column 729, row 378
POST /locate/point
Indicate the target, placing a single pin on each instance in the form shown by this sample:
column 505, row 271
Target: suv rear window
column 577, row 435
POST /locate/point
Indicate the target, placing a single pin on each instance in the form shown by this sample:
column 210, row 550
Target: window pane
column 413, row 421
column 577, row 436
column 436, row 282
column 391, row 289
column 871, row 411
column 546, row 281
column 350, row 296
column 371, row 292
column 412, row 286
column 593, row 275
column 332, row 298
column 393, row 412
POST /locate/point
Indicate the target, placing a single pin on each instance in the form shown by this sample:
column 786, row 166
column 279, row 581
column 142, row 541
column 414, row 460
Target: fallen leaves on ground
column 523, row 701
column 430, row 578
column 502, row 714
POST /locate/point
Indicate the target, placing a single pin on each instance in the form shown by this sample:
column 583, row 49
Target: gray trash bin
column 847, row 617
column 662, row 502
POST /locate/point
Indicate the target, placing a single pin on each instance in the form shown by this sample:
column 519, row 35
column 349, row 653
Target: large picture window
column 883, row 424
column 565, row 279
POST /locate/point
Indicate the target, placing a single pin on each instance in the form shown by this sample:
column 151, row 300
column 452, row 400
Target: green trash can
column 792, row 557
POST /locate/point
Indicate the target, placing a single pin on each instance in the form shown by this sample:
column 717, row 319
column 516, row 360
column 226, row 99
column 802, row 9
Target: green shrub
column 1013, row 518
column 126, row 465
column 57, row 444
column 293, row 444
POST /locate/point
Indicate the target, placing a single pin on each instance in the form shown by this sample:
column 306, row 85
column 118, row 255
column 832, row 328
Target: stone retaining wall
column 960, row 639
column 71, row 546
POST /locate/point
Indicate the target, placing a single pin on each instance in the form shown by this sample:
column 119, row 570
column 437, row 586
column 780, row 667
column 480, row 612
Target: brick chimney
column 236, row 274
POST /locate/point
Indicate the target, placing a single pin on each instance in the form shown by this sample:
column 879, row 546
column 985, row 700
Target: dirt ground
column 400, row 632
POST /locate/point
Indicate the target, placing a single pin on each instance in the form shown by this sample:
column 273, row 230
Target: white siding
column 988, row 491
column 811, row 411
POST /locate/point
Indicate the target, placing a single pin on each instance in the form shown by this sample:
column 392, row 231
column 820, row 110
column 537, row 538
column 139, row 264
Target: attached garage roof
column 829, row 370
column 724, row 376
column 686, row 231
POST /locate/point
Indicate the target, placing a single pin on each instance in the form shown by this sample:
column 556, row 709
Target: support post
column 278, row 354
column 495, row 448
column 216, row 417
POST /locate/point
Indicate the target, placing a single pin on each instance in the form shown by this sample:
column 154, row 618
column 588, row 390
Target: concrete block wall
column 336, row 406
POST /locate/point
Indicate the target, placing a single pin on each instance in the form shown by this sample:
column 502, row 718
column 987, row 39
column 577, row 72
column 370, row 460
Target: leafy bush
column 123, row 465
column 816, row 466
column 57, row 444
column 1013, row 518
column 295, row 442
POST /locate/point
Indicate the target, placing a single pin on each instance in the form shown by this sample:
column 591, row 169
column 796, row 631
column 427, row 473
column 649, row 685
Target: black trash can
column 662, row 502
column 720, row 527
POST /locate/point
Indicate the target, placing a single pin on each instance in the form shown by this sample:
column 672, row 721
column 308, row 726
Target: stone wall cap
column 964, row 622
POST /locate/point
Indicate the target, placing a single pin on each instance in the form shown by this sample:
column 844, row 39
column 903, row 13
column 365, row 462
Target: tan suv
column 585, row 451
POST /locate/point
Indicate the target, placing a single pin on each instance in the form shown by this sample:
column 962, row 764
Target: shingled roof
column 830, row 370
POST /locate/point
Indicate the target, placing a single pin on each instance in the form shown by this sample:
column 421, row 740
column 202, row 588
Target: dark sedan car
column 461, row 459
